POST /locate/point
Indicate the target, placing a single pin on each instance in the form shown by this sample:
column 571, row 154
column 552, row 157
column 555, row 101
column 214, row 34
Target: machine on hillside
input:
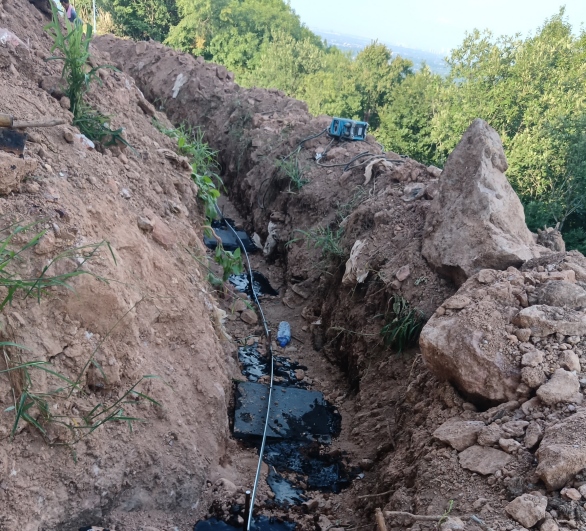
column 346, row 129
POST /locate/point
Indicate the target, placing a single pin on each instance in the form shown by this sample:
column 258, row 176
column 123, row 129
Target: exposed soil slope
column 154, row 316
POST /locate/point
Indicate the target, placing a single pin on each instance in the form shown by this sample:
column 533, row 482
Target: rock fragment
column 483, row 460
column 562, row 452
column 547, row 320
column 527, row 509
column 459, row 434
column 562, row 387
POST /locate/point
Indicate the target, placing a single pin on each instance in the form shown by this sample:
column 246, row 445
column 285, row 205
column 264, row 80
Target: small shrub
column 230, row 261
column 403, row 325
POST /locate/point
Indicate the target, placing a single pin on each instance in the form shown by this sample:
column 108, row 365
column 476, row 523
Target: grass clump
column 73, row 45
column 324, row 238
column 40, row 408
column 290, row 169
column 204, row 172
column 204, row 167
column 403, row 325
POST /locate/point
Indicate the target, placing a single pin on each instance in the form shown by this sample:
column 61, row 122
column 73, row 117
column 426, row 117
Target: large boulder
column 466, row 343
column 477, row 221
column 562, row 452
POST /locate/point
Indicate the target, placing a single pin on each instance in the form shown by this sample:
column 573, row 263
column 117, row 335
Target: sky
column 432, row 25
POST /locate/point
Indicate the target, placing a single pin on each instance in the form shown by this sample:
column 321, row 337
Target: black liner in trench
column 302, row 462
column 255, row 366
column 262, row 286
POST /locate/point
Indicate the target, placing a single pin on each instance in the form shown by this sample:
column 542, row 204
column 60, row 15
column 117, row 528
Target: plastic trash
column 284, row 334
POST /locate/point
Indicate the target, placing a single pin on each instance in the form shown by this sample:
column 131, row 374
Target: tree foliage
column 531, row 90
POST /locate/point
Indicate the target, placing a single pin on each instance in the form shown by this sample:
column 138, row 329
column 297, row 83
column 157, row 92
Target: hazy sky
column 437, row 25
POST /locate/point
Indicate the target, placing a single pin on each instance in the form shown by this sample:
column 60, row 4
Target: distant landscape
column 354, row 44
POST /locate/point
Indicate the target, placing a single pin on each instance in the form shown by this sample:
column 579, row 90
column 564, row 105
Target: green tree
column 376, row 75
column 406, row 123
column 138, row 19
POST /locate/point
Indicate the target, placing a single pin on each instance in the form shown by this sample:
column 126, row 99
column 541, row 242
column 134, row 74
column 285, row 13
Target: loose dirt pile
column 155, row 315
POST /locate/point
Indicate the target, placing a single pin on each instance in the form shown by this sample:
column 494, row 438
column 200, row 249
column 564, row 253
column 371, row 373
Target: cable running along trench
column 346, row 165
column 270, row 349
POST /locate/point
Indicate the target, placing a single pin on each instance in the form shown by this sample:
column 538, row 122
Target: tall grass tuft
column 74, row 47
column 403, row 325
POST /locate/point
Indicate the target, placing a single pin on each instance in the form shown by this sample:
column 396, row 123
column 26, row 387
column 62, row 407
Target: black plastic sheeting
column 261, row 284
column 255, row 365
column 296, row 414
column 229, row 241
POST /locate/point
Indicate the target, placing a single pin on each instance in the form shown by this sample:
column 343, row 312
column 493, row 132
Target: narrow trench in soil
column 324, row 496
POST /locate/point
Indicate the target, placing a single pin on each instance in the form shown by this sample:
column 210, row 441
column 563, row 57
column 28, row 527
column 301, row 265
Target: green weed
column 403, row 325
column 290, row 169
column 230, row 261
column 37, row 408
column 204, row 166
column 324, row 238
column 73, row 44
column 345, row 209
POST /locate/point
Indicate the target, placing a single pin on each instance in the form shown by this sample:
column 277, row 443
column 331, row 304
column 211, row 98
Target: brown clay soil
column 157, row 314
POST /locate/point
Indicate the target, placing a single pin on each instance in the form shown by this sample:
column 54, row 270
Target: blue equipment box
column 348, row 129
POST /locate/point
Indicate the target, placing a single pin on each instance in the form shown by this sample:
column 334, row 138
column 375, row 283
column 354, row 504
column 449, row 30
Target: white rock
column 459, row 434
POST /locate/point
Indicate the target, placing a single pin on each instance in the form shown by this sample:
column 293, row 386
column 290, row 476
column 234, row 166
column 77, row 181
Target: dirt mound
column 153, row 316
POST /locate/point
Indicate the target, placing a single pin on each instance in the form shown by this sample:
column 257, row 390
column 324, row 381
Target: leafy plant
column 204, row 166
column 290, row 169
column 73, row 44
column 231, row 261
column 324, row 238
column 403, row 325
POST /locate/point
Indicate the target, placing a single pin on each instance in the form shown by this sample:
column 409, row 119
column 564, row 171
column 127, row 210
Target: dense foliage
column 530, row 90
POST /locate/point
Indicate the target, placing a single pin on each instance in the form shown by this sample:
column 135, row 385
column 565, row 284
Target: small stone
column 523, row 334
column 582, row 491
column 125, row 193
column 249, row 317
column 515, row 428
column 533, row 377
column 533, row 435
column 459, row 434
column 533, row 358
column 68, row 136
column 239, row 306
column 457, row 302
column 571, row 494
column 486, row 276
column 562, row 387
column 509, row 445
column 310, row 505
column 403, row 273
column 299, row 374
column 452, row 523
column 65, row 103
column 145, row 224
column 549, row 525
column 569, row 360
column 527, row 509
column 483, row 460
column 490, row 435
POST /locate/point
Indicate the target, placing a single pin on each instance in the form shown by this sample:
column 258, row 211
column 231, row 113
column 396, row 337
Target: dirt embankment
column 153, row 316
column 429, row 448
